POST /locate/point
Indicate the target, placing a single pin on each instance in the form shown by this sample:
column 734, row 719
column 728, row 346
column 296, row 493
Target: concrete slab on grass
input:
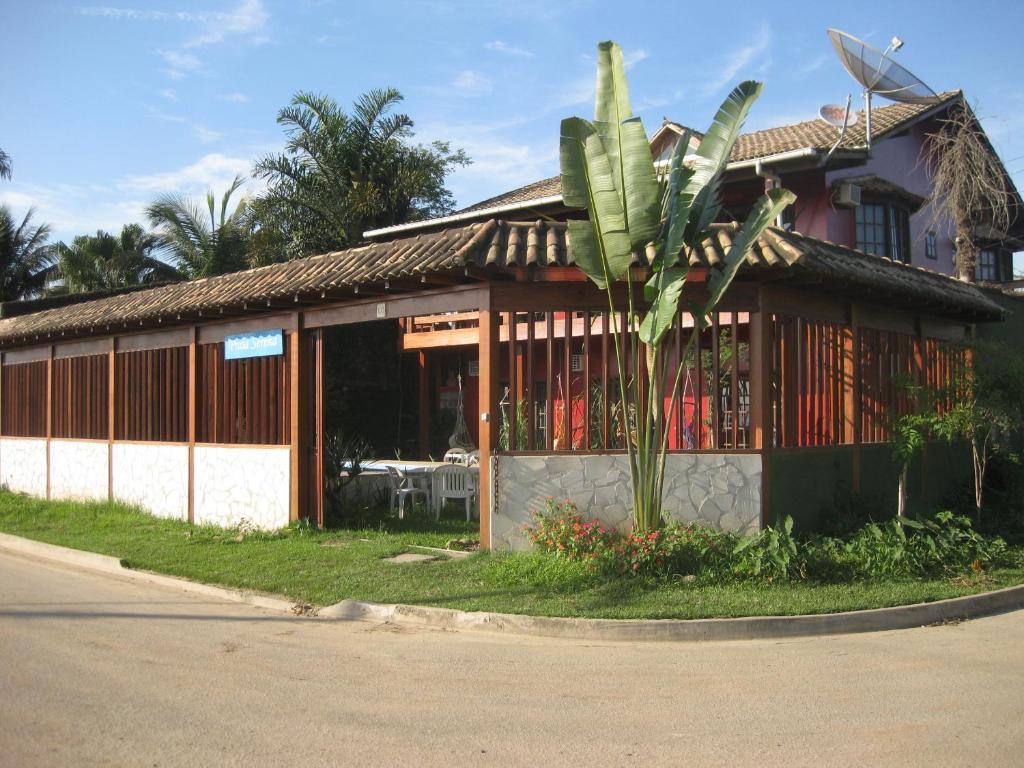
column 410, row 557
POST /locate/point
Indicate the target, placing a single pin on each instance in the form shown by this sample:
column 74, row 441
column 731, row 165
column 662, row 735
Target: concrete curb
column 689, row 630
column 648, row 630
column 116, row 567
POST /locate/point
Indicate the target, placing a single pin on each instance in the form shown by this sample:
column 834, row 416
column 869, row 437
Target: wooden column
column 111, row 404
column 318, row 404
column 193, row 410
column 49, row 413
column 858, row 403
column 760, row 402
column 424, row 400
column 760, row 382
column 297, row 406
column 490, row 347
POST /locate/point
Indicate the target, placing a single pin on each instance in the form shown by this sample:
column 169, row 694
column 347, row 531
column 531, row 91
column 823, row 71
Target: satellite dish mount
column 878, row 73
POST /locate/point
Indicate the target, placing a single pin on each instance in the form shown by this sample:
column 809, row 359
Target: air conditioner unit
column 848, row 195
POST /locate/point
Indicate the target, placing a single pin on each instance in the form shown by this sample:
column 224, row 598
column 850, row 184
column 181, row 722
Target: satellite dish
column 838, row 116
column 878, row 73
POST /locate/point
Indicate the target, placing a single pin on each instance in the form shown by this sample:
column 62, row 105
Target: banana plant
column 608, row 171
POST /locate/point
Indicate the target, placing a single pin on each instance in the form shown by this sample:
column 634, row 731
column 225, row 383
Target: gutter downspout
column 772, row 181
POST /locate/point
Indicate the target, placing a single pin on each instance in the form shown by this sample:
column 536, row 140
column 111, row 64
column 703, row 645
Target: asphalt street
column 100, row 670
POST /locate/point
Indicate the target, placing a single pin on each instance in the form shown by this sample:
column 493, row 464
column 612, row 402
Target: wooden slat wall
column 151, row 395
column 887, row 366
column 24, row 399
column 815, row 400
column 566, row 408
column 242, row 401
column 810, row 385
column 80, row 397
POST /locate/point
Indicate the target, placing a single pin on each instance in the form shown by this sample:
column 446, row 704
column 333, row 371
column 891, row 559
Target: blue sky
column 105, row 106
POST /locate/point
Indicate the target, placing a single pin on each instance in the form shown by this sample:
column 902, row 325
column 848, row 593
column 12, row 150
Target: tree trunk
column 966, row 251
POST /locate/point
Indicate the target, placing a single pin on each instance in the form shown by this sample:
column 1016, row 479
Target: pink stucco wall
column 897, row 159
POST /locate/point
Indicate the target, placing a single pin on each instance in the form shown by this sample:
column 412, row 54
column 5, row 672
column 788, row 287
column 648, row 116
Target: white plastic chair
column 454, row 482
column 473, row 458
column 404, row 487
column 455, row 456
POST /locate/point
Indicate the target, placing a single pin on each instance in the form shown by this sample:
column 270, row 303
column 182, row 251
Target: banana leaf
column 764, row 212
column 603, row 249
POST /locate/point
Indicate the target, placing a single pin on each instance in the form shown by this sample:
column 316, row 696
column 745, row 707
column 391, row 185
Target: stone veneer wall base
column 720, row 490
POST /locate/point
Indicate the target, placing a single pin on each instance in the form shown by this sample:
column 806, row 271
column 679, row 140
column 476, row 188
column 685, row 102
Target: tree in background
column 969, row 185
column 105, row 261
column 344, row 173
column 5, row 165
column 986, row 399
column 202, row 243
column 24, row 255
column 608, row 170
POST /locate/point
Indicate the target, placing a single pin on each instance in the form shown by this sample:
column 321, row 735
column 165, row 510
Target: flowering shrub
column 943, row 546
column 561, row 530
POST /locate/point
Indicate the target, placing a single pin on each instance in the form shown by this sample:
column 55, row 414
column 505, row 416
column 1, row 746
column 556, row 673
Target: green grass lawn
column 324, row 567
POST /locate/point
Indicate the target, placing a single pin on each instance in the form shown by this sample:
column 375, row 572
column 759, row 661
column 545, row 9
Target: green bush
column 944, row 546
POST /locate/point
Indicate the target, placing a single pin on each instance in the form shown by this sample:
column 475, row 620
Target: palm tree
column 24, row 255
column 969, row 184
column 5, row 165
column 345, row 172
column 104, row 261
column 201, row 246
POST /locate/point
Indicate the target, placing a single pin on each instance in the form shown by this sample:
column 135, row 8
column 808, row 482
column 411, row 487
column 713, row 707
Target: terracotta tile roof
column 485, row 246
column 534, row 191
column 814, row 134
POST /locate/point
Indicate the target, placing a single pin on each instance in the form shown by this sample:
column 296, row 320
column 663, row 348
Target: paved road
column 95, row 670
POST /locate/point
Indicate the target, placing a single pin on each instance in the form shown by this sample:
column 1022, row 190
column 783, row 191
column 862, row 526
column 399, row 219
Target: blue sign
column 257, row 344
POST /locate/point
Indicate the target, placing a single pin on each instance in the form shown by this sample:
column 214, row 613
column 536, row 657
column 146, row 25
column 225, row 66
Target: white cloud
column 741, row 59
column 170, row 94
column 812, row 66
column 204, row 134
column 248, row 19
column 630, row 58
column 74, row 209
column 473, row 83
column 211, row 170
column 502, row 160
column 235, row 97
column 502, row 47
column 180, row 65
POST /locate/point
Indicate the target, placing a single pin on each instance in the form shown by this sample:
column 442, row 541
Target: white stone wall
column 79, row 470
column 23, row 465
column 236, row 484
column 718, row 490
column 154, row 477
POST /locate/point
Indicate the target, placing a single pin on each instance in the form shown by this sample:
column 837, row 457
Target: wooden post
column 193, row 410
column 49, row 413
column 760, row 382
column 858, row 404
column 298, row 406
column 760, row 400
column 111, row 405
column 490, row 348
column 424, row 400
column 318, row 404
